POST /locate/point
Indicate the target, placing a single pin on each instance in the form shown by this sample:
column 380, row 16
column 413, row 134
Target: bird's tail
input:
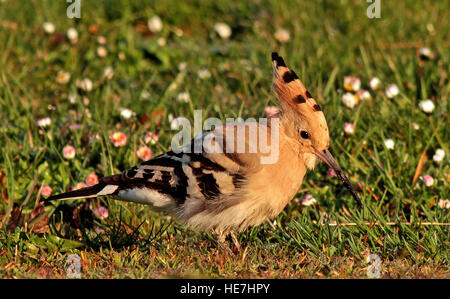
column 106, row 186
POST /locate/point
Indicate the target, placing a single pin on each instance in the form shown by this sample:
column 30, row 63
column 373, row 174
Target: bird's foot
column 221, row 240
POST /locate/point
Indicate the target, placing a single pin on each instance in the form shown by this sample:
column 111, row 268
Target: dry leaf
column 419, row 167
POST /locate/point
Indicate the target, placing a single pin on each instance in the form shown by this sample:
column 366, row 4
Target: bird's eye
column 304, row 134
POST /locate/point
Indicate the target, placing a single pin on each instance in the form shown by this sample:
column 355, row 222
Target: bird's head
column 307, row 125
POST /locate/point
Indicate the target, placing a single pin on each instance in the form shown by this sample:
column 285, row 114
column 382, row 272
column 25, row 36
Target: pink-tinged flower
column 68, row 152
column 349, row 128
column 108, row 72
column 415, row 126
column 204, row 73
column 426, row 53
column 282, row 35
column 144, row 153
column 151, row 137
column 92, row 179
column 46, row 191
column 101, row 40
column 102, row 52
column 155, row 24
column 428, row 180
column 44, row 122
column 308, row 200
column 62, row 77
column 80, row 185
column 118, row 139
column 178, row 31
column 392, row 91
column 363, row 95
column 444, row 204
column 350, row 100
column 331, row 172
column 101, row 212
column 84, row 84
column 271, row 110
column 126, row 113
column 352, row 83
column 183, row 97
column 74, row 127
column 439, row 155
column 374, row 83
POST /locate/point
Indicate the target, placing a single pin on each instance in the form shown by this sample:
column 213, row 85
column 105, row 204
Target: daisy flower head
column 331, row 172
column 282, row 35
column 102, row 52
column 108, row 72
column 271, row 110
column 426, row 106
column 439, row 155
column 350, row 100
column 46, row 191
column 308, row 200
column 68, row 152
column 223, row 30
column 118, row 139
column 84, row 84
column 428, row 180
column 444, row 204
column 48, row 27
column 363, row 95
column 204, row 73
column 92, row 179
column 352, row 83
column 144, row 153
column 72, row 35
column 151, row 138
column 101, row 212
column 183, row 97
column 155, row 24
column 126, row 113
column 349, row 128
column 44, row 122
column 425, row 53
column 389, row 143
column 392, row 91
column 374, row 83
column 62, row 77
column 101, row 40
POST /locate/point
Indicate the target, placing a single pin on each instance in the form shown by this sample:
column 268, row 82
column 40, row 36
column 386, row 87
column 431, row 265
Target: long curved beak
column 328, row 158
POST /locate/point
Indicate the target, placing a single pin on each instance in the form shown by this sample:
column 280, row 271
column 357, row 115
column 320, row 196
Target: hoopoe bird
column 226, row 191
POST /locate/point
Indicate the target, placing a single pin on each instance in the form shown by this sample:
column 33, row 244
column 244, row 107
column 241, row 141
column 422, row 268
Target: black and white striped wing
column 172, row 178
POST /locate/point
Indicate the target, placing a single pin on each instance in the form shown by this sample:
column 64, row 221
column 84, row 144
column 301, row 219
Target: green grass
column 329, row 40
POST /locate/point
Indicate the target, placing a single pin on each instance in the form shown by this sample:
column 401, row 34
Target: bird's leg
column 223, row 244
column 235, row 242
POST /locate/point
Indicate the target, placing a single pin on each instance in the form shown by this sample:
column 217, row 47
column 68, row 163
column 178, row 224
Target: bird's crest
column 290, row 90
column 294, row 97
